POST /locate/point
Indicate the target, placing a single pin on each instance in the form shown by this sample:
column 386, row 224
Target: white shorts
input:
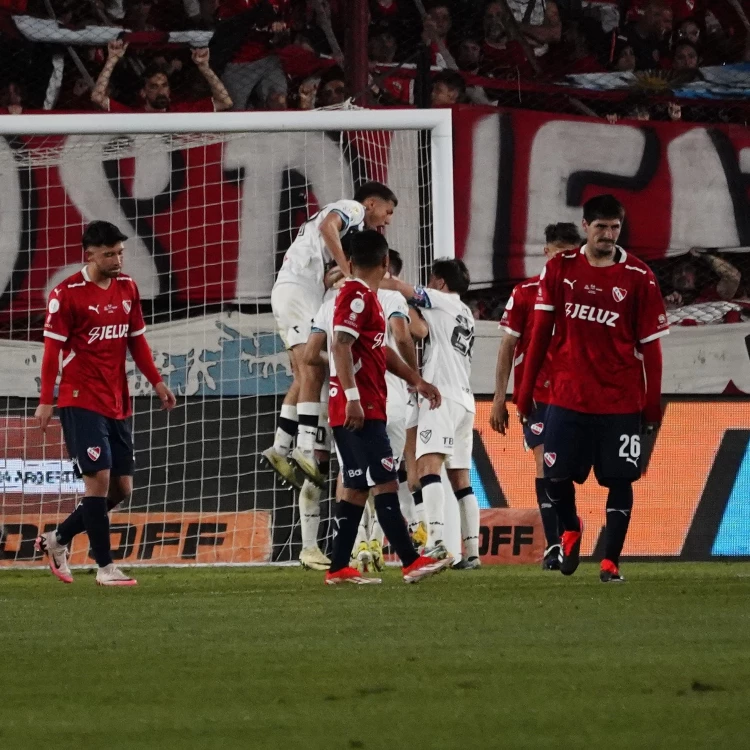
column 294, row 308
column 412, row 411
column 448, row 430
column 396, row 429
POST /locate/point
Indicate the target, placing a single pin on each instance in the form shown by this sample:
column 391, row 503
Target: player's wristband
column 352, row 394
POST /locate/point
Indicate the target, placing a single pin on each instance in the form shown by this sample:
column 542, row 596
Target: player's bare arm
column 407, row 290
column 341, row 350
column 315, row 350
column 144, row 361
column 219, row 94
column 399, row 368
column 499, row 411
column 417, row 325
column 544, row 323
column 403, row 340
column 330, row 228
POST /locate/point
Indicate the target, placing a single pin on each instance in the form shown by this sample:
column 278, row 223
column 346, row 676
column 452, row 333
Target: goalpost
column 210, row 202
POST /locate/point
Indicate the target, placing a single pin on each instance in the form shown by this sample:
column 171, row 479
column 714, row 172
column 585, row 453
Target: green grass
column 269, row 658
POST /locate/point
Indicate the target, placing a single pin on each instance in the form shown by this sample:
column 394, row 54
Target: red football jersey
column 95, row 325
column 357, row 311
column 518, row 320
column 602, row 316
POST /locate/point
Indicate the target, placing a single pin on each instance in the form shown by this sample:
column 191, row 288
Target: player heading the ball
column 93, row 318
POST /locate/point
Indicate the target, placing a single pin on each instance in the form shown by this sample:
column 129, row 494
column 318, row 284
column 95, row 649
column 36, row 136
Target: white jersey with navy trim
column 305, row 260
column 449, row 346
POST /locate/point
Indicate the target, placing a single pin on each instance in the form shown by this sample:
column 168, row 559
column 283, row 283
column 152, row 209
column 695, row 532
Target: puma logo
column 570, row 283
column 95, row 308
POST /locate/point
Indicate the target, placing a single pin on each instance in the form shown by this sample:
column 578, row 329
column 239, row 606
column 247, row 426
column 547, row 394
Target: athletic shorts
column 294, row 307
column 396, row 429
column 574, row 442
column 533, row 430
column 448, row 430
column 96, row 442
column 365, row 456
column 412, row 411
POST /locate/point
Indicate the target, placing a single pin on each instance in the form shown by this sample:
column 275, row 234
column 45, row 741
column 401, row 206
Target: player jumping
column 600, row 313
column 296, row 297
column 445, row 435
column 93, row 318
column 517, row 323
column 357, row 413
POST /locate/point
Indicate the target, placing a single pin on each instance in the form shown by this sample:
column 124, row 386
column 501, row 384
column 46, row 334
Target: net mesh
column 209, row 218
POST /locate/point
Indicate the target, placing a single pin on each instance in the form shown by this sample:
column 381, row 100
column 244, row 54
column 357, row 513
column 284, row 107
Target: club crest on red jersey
column 94, row 452
column 537, row 428
column 389, row 464
column 550, row 458
column 618, row 293
column 126, row 305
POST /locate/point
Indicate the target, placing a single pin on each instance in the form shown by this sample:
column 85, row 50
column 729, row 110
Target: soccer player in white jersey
column 295, row 298
column 445, row 434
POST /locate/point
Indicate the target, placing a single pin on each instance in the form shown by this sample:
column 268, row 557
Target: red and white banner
column 516, row 171
column 208, row 221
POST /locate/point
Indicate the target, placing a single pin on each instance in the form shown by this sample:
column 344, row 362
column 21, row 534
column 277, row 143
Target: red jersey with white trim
column 518, row 320
column 95, row 325
column 602, row 316
column 357, row 311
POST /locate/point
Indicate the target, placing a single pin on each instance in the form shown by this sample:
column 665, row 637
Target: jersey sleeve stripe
column 55, row 336
column 315, row 329
column 344, row 218
column 510, row 331
column 398, row 314
column 655, row 336
column 348, row 330
column 548, row 308
column 138, row 333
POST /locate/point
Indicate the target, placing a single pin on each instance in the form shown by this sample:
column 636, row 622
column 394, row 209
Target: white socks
column 286, row 430
column 307, row 414
column 309, row 514
column 408, row 508
column 434, row 502
column 468, row 508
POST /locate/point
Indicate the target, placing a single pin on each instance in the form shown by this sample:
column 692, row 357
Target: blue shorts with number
column 365, row 456
column 574, row 442
column 533, row 429
column 96, row 442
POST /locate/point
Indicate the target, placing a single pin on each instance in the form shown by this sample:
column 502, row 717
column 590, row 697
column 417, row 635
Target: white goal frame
column 436, row 121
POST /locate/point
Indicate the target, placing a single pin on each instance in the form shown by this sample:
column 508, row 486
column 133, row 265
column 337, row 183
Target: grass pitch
column 270, row 658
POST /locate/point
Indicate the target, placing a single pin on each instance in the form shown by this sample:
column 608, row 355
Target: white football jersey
column 393, row 304
column 449, row 345
column 305, row 260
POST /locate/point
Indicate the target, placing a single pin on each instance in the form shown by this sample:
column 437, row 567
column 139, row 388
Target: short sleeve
column 137, row 323
column 651, row 316
column 397, row 307
column 547, row 294
column 350, row 309
column 57, row 324
column 515, row 314
column 352, row 214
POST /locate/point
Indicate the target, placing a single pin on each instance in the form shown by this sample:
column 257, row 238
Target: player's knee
column 620, row 496
column 429, row 479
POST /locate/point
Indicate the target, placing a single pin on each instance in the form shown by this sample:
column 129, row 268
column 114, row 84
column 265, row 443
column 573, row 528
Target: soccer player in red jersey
column 517, row 323
column 357, row 415
column 600, row 313
column 93, row 318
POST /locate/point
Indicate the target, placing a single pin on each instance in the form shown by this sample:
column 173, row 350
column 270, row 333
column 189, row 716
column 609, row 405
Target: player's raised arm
column 399, row 368
column 330, row 231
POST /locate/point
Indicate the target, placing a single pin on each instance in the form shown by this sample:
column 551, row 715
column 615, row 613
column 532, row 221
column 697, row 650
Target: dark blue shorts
column 96, row 442
column 574, row 442
column 366, row 457
column 533, row 430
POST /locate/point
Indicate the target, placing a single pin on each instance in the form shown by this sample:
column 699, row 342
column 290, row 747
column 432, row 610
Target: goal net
column 210, row 203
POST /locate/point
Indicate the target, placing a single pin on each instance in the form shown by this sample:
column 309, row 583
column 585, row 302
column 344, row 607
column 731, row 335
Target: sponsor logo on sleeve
column 54, row 306
column 357, row 305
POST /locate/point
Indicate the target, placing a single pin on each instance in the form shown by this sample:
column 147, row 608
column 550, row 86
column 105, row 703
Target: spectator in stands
column 332, row 89
column 501, row 57
column 685, row 280
column 137, row 15
column 469, row 55
column 579, row 58
column 539, row 20
column 247, row 33
column 448, row 88
column 12, row 99
column 307, row 92
column 689, row 30
column 685, row 57
column 646, row 34
column 382, row 45
column 155, row 92
column 436, row 27
column 623, row 57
